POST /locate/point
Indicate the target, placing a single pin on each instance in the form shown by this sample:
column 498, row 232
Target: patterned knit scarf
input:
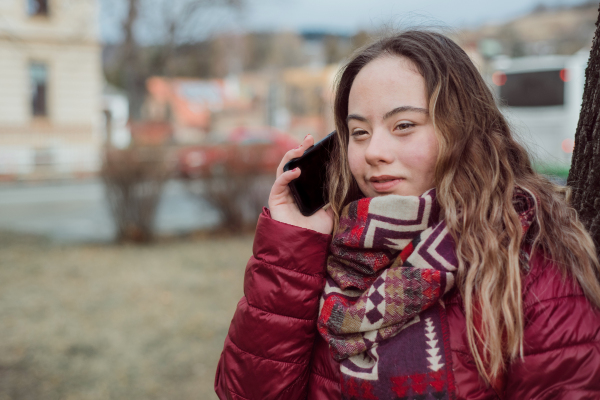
column 392, row 259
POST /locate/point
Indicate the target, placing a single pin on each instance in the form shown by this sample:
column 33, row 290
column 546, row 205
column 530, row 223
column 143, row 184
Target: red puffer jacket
column 273, row 350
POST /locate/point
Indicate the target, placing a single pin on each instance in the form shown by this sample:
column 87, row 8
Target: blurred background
column 139, row 140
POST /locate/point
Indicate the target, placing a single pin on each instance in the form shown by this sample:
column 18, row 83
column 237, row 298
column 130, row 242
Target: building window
column 38, row 73
column 37, row 7
column 533, row 89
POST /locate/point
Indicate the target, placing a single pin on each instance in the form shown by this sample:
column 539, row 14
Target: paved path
column 78, row 212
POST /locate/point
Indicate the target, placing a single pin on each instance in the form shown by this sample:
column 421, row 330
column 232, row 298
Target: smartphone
column 310, row 188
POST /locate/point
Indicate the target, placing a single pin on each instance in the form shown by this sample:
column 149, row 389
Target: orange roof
column 191, row 100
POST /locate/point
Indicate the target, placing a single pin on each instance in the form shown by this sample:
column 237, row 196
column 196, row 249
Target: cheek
column 428, row 155
column 354, row 160
column 420, row 156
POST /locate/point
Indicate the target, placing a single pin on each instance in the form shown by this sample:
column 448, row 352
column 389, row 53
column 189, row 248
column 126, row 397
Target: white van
column 541, row 99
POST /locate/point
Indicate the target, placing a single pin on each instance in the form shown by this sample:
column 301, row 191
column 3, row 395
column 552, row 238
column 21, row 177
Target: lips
column 384, row 183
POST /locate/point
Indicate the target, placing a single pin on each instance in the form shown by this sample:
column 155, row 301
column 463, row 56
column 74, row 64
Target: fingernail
column 306, row 136
column 295, row 169
column 295, row 148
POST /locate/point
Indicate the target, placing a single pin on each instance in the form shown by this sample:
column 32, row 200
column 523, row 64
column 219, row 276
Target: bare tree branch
column 168, row 24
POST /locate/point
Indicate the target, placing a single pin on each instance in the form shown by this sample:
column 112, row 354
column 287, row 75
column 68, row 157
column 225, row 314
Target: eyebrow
column 389, row 113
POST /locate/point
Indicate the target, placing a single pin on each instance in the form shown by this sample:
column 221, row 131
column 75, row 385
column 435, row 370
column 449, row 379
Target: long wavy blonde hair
column 478, row 166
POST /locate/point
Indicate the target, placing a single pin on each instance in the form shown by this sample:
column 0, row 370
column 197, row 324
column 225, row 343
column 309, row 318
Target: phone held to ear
column 310, row 188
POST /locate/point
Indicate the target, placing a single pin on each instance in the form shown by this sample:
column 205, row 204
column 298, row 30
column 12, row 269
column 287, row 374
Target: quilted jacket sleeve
column 562, row 341
column 268, row 348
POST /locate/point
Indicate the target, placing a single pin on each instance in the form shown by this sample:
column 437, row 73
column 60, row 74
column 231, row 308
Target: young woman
column 444, row 268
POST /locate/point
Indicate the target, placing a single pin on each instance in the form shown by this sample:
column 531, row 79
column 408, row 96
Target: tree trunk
column 584, row 176
column 135, row 82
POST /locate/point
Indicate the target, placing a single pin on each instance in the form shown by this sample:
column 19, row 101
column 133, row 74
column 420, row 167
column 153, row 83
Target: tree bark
column 584, row 176
column 134, row 76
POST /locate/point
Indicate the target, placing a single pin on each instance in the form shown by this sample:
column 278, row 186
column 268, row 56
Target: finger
column 280, row 187
column 295, row 153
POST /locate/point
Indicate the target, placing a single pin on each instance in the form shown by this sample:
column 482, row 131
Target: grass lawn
column 116, row 322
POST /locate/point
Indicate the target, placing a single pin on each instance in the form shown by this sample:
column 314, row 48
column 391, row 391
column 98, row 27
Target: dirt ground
column 116, row 322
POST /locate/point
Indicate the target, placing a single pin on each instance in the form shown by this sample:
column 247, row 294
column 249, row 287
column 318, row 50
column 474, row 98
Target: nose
column 378, row 148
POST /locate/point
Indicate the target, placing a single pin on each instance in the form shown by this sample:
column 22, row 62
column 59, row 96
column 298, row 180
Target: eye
column 359, row 132
column 404, row 126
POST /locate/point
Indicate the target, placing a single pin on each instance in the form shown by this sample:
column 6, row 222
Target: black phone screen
column 310, row 188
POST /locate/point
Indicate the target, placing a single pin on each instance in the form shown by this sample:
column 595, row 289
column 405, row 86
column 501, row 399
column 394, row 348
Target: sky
column 349, row 15
column 336, row 16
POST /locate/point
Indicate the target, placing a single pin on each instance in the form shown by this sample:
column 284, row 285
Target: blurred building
column 197, row 108
column 115, row 107
column 308, row 99
column 294, row 100
column 50, row 88
column 186, row 104
column 559, row 29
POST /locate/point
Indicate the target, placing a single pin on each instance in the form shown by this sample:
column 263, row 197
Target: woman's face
column 392, row 147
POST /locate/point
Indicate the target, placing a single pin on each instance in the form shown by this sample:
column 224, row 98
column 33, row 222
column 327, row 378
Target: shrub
column 237, row 196
column 236, row 181
column 133, row 180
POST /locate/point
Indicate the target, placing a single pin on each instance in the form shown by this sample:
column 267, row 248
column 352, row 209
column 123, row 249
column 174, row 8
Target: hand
column 281, row 202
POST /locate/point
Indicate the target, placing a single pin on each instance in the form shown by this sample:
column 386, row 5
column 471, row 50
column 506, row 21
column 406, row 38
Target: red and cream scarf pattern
column 392, row 259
